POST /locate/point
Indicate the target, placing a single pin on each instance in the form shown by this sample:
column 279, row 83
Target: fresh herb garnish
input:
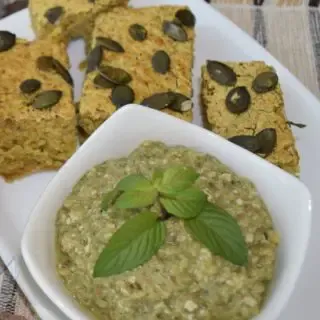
column 133, row 244
column 135, row 182
column 136, row 199
column 185, row 204
column 220, row 233
column 174, row 190
column 177, row 179
column 296, row 124
column 108, row 199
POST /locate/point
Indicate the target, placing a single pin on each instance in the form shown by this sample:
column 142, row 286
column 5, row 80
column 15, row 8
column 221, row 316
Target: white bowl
column 286, row 197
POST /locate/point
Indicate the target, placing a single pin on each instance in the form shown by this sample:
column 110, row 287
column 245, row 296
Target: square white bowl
column 287, row 199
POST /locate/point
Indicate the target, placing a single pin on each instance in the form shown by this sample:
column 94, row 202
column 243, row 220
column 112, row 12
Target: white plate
column 217, row 38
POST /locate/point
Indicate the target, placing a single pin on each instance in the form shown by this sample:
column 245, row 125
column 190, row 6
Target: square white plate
column 216, row 38
column 287, row 199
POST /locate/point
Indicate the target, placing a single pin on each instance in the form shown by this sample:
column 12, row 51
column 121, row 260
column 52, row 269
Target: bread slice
column 68, row 19
column 34, row 139
column 266, row 111
column 95, row 104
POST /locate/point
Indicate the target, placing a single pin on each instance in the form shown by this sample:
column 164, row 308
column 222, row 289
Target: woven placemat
column 289, row 29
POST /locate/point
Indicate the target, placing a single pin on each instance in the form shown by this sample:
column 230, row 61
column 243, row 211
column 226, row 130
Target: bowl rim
column 40, row 278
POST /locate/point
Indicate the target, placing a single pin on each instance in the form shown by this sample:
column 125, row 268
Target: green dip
column 184, row 280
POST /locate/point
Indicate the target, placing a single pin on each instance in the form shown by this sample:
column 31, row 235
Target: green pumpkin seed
column 122, row 95
column 159, row 101
column 62, row 71
column 30, row 86
column 296, row 124
column 238, row 100
column 263, row 143
column 54, row 14
column 221, row 73
column 45, row 63
column 265, row 81
column 181, row 103
column 94, row 59
column 109, row 44
column 177, row 22
column 138, row 32
column 250, row 143
column 174, row 31
column 47, row 99
column 186, row 17
column 161, row 62
column 267, row 140
column 101, row 82
column 48, row 63
column 7, row 40
column 115, row 75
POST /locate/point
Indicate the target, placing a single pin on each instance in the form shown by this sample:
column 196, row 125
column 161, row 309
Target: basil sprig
column 139, row 238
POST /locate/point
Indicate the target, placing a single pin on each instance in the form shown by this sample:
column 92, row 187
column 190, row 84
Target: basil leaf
column 177, row 178
column 220, row 233
column 133, row 244
column 136, row 199
column 108, row 199
column 134, row 182
column 157, row 177
column 185, row 204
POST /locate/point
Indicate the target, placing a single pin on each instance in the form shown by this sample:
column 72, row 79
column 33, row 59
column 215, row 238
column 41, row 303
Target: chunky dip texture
column 184, row 280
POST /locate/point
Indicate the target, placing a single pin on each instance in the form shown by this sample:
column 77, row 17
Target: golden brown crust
column 266, row 111
column 96, row 105
column 76, row 21
column 30, row 139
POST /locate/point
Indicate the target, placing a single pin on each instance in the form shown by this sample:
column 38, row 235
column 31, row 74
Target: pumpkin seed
column 44, row 63
column 177, row 22
column 161, row 62
column 264, row 142
column 7, row 40
column 47, row 99
column 94, row 59
column 122, row 95
column 181, row 103
column 221, row 73
column 62, row 71
column 267, row 139
column 47, row 63
column 54, row 14
column 30, row 86
column 250, row 143
column 296, row 124
column 115, row 75
column 238, row 100
column 159, row 101
column 174, row 31
column 265, row 81
column 186, row 17
column 138, row 32
column 109, row 44
column 101, row 82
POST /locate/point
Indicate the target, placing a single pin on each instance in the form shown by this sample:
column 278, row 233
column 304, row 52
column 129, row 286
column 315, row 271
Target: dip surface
column 184, row 280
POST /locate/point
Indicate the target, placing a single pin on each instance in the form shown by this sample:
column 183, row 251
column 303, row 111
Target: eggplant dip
column 166, row 233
